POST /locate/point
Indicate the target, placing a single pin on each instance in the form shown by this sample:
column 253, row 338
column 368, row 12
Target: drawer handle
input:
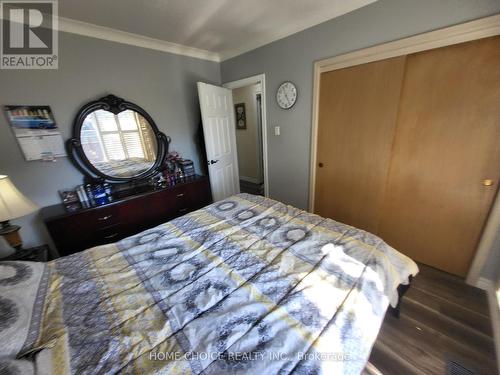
column 183, row 210
column 104, row 218
column 180, row 195
column 111, row 236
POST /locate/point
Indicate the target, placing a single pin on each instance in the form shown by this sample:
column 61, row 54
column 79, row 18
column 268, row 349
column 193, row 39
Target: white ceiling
column 225, row 27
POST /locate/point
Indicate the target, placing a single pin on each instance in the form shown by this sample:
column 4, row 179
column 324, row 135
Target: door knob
column 487, row 182
column 212, row 162
column 320, row 165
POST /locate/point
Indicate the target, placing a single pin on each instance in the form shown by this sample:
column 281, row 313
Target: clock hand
column 287, row 98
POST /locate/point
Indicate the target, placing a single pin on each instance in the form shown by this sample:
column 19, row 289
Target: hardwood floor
column 251, row 188
column 444, row 322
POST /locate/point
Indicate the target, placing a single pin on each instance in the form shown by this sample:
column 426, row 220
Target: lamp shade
column 13, row 203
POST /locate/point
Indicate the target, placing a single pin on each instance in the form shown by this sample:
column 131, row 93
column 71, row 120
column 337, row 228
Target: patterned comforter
column 246, row 285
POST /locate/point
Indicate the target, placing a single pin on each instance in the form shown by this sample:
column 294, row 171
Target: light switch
column 277, row 130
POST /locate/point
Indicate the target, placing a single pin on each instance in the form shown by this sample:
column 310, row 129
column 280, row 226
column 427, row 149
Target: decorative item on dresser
column 13, row 204
column 131, row 212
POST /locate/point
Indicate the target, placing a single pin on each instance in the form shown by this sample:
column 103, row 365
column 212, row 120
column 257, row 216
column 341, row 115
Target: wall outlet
column 277, row 130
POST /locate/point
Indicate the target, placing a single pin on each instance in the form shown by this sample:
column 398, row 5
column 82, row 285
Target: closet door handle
column 320, row 165
column 487, row 182
column 212, row 162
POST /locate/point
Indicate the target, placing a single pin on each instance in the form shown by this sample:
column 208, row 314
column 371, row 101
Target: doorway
column 250, row 122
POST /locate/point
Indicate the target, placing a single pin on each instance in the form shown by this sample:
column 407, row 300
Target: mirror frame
column 114, row 104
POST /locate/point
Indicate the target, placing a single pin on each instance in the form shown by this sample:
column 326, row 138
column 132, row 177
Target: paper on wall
column 36, row 132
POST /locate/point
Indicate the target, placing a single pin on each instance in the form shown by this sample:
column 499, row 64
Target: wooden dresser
column 127, row 215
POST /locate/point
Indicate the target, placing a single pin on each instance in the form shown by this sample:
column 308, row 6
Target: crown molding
column 72, row 26
column 464, row 32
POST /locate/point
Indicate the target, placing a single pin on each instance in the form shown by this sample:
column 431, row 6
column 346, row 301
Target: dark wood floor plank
column 429, row 350
column 442, row 319
column 388, row 362
column 452, row 288
column 451, row 310
column 408, row 345
column 454, row 330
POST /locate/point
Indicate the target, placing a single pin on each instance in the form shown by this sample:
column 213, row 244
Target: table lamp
column 13, row 204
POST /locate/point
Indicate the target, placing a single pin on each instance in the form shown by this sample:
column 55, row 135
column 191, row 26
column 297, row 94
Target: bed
column 246, row 285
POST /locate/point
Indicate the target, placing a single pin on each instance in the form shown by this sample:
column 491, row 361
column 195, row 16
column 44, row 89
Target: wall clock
column 286, row 96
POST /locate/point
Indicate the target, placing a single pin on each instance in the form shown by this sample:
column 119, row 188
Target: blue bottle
column 100, row 196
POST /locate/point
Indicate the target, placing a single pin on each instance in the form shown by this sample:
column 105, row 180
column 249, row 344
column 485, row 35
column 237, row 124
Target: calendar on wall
column 36, row 132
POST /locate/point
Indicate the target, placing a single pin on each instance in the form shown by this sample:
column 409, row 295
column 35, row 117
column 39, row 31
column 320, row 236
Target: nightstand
column 32, row 254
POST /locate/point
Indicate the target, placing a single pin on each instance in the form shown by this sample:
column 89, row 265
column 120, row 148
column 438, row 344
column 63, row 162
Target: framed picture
column 241, row 116
column 30, row 117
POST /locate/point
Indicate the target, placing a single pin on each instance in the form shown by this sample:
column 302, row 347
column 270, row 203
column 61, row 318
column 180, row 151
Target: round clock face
column 286, row 95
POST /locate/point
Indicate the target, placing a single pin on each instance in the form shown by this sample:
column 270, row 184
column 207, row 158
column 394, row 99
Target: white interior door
column 217, row 115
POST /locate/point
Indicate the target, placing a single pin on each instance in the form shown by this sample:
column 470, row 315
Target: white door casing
column 259, row 79
column 217, row 114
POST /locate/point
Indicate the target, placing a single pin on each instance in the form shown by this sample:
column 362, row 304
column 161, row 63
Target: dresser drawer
column 102, row 217
column 91, row 220
column 198, row 195
column 85, row 229
column 191, row 197
column 182, row 203
column 108, row 234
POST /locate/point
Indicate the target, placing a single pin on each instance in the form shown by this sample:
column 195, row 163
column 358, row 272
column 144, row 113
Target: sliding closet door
column 357, row 117
column 446, row 159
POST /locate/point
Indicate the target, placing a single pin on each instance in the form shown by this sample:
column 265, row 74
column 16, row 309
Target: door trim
column 260, row 78
column 468, row 31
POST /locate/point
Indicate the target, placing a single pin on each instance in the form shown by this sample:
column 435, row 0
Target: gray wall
column 163, row 84
column 292, row 59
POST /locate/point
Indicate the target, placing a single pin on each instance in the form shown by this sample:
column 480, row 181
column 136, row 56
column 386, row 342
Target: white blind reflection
column 127, row 120
column 126, row 138
column 112, row 137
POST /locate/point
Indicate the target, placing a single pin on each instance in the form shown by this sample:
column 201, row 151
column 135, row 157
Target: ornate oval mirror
column 116, row 141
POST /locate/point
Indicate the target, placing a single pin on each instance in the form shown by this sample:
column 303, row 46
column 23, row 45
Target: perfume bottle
column 90, row 194
column 109, row 192
column 100, row 196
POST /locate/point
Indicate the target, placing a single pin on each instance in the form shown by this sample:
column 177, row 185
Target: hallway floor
column 251, row 188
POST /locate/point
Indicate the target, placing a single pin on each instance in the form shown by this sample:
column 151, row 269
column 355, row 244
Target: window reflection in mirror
column 122, row 145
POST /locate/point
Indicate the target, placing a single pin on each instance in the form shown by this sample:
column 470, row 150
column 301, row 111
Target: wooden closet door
column 356, row 122
column 445, row 150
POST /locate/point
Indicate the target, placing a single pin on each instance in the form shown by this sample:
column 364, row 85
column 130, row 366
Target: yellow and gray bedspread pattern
column 246, row 285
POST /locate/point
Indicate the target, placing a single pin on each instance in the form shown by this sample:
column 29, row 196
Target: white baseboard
column 484, row 284
column 494, row 313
